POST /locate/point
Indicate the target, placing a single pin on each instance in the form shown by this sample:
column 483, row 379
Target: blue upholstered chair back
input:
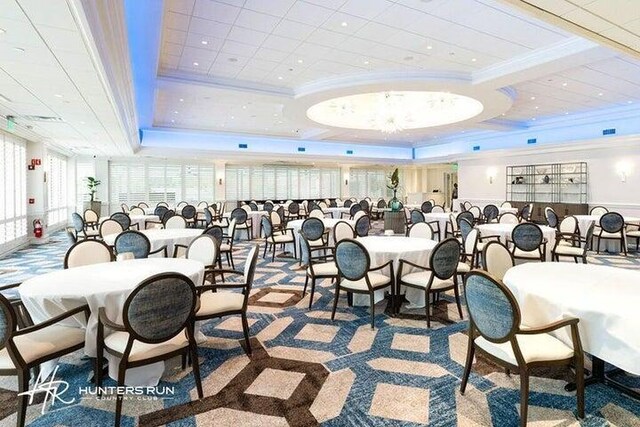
column 268, row 206
column 189, row 212
column 524, row 213
column 160, row 307
column 444, row 258
column 492, row 308
column 123, row 219
column 216, row 232
column 253, row 206
column 464, row 226
column 347, row 203
column 7, row 320
column 267, row 227
column 527, row 236
column 552, row 218
column 333, row 204
column 293, row 208
column 280, row 212
column 612, row 222
column 313, row 228
column 165, row 204
column 426, row 207
column 160, row 210
column 364, row 205
column 363, row 225
column 208, row 218
column 352, row 259
column 133, row 241
column 354, row 208
column 466, row 215
column 305, row 250
column 168, row 214
column 490, row 212
column 382, row 204
column 78, row 222
column 240, row 215
column 416, row 216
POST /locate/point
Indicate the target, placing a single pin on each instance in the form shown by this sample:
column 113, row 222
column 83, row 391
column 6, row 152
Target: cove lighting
column 395, row 111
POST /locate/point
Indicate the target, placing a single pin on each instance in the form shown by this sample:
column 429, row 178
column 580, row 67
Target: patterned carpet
column 307, row 370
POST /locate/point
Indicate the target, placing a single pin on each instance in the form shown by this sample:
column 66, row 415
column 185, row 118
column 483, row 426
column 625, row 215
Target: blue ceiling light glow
column 243, row 146
column 532, row 141
column 302, row 149
column 144, row 25
column 609, row 132
column 476, row 148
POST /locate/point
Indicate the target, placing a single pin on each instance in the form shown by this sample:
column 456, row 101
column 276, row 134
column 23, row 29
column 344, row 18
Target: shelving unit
column 562, row 186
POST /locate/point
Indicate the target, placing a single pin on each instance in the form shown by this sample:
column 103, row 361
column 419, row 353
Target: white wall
column 603, row 161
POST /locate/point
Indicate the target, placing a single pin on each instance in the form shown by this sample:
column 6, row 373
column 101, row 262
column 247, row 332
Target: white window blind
column 13, row 192
column 57, row 211
column 368, row 183
column 84, row 169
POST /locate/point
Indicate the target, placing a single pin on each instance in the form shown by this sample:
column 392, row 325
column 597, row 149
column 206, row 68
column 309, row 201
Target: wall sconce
column 491, row 174
column 624, row 169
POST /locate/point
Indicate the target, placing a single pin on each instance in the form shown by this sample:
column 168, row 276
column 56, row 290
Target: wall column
column 37, row 190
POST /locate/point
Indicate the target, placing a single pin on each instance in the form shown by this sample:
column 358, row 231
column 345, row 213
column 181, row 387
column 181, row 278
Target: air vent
column 302, row 149
column 349, row 151
column 532, row 141
column 46, row 119
column 476, row 148
column 243, row 146
column 609, row 132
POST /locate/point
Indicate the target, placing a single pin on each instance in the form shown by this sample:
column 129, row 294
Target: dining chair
column 476, row 212
column 315, row 231
column 180, row 206
column 611, row 227
column 189, row 213
column 525, row 212
column 551, row 217
column 253, row 206
column 135, row 242
column 633, row 234
column 356, row 275
column 365, row 205
column 598, row 211
column 508, row 218
column 437, row 209
column 467, row 205
column 124, row 207
column 378, row 210
column 123, row 219
column 451, row 229
column 353, row 209
column 440, row 275
column 268, row 206
column 316, row 213
column 426, row 207
column 506, row 205
column 358, row 215
column 25, row 349
column 417, row 216
column 160, row 210
column 206, row 249
column 363, row 225
column 80, row 228
column 281, row 237
column 137, row 211
column 87, row 252
column 226, row 245
column 143, row 205
column 421, row 230
column 175, row 222
column 497, row 259
column 109, row 226
column 243, row 222
column 91, row 218
column 157, row 324
column 490, row 213
column 528, row 242
column 496, row 332
column 216, row 300
column 292, row 212
column 343, row 230
column 347, row 203
column 568, row 231
column 165, row 204
column 571, row 250
column 317, row 267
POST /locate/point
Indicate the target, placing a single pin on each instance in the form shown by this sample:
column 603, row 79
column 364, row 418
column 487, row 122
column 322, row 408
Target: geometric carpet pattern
column 307, row 370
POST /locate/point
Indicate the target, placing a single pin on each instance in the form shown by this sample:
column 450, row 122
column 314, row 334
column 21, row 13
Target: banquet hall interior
column 319, row 212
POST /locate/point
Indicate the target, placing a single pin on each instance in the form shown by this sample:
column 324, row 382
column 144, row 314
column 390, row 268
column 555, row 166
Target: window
column 278, row 182
column 13, row 192
column 57, row 211
column 84, row 169
column 368, row 183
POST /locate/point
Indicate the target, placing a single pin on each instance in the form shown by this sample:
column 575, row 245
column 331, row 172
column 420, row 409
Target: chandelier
column 390, row 116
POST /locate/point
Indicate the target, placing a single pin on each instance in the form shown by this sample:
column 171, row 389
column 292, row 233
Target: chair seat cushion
column 325, row 269
column 91, row 232
column 607, row 235
column 316, row 243
column 377, row 280
column 242, row 226
column 43, row 342
column 463, row 267
column 212, row 303
column 519, row 253
column 569, row 250
column 534, row 348
column 224, row 247
column 282, row 238
column 139, row 351
column 634, row 233
column 421, row 278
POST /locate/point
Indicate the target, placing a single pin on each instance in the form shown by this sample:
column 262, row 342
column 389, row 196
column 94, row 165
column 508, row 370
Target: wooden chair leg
column 306, row 282
column 335, row 300
column 426, row 308
column 580, row 385
column 313, row 289
column 23, row 385
column 119, row 397
column 524, row 396
column 467, row 366
column 196, row 364
column 457, row 295
column 245, row 330
column 373, row 309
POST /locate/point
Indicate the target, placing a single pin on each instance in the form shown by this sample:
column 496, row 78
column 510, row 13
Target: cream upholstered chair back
column 175, row 222
column 343, row 230
column 506, row 205
column 90, row 216
column 136, row 211
column 359, row 215
column 87, row 252
column 422, row 230
column 316, row 213
column 110, row 226
column 598, row 211
column 508, row 218
column 203, row 248
column 497, row 259
column 275, row 218
column 569, row 225
column 471, row 241
column 437, row 209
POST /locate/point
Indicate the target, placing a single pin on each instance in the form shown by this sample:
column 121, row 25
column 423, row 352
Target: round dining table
column 605, row 299
column 160, row 237
column 336, row 212
column 442, row 218
column 503, row 231
column 101, row 285
column 383, row 249
column 608, row 245
column 329, row 223
column 255, row 217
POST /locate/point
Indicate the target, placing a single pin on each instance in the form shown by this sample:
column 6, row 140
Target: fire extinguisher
column 37, row 228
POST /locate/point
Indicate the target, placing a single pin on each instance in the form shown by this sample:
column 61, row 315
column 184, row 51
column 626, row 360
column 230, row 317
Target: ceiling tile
column 309, row 13
column 180, row 6
column 245, row 35
column 293, row 30
column 177, row 21
column 367, row 9
column 215, row 11
column 239, row 48
column 209, row 28
column 257, row 21
column 272, row 7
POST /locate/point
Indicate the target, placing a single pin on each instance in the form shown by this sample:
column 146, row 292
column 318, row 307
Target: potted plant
column 92, row 186
column 393, row 184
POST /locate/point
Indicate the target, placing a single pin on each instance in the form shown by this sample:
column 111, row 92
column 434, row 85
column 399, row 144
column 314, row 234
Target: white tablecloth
column 613, row 246
column 329, row 223
column 605, row 299
column 383, row 249
column 160, row 237
column 137, row 219
column 101, row 285
column 337, row 212
column 507, row 210
column 442, row 218
column 255, row 217
column 504, row 232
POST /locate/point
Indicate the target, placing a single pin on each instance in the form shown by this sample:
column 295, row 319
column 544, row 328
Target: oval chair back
column 352, row 260
column 437, row 209
column 266, row 226
column 167, row 215
column 426, row 207
column 466, row 215
column 364, row 204
column 160, row 308
column 467, row 205
column 203, row 248
column 160, row 210
column 275, row 218
column 333, row 204
column 476, row 212
column 313, row 228
column 78, row 222
column 471, row 242
column 464, row 226
column 231, row 229
column 136, row 211
column 181, row 205
column 508, row 218
column 249, row 272
column 612, row 222
column 90, row 216
column 416, row 216
column 189, row 212
column 143, row 205
column 268, row 206
column 497, row 259
column 124, row 207
column 422, row 230
column 253, row 206
column 87, row 252
column 203, row 205
column 569, row 225
column 208, row 217
column 131, row 241
column 347, row 203
column 240, row 215
column 505, row 205
column 165, row 204
column 176, row 222
column 598, row 211
column 216, row 232
column 444, row 258
column 343, row 230
column 293, row 208
column 316, row 213
column 110, row 226
column 490, row 213
column 525, row 212
column 551, row 217
column 281, row 213
column 354, row 208
column 123, row 219
column 363, row 225
column 527, row 236
column 493, row 310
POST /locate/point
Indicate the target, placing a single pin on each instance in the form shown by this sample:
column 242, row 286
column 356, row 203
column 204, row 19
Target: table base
column 599, row 376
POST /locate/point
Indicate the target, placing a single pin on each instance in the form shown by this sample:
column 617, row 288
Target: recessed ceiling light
column 279, row 77
column 2, row 31
column 266, row 128
column 564, row 84
column 533, row 119
column 533, row 98
column 275, row 114
column 300, row 61
column 57, row 95
column 344, row 24
column 244, row 107
column 600, row 94
column 204, row 42
column 536, row 107
column 173, row 121
column 629, row 102
column 566, row 113
column 429, row 47
column 366, row 62
column 81, row 122
column 473, row 59
column 233, row 117
column 195, row 64
column 18, row 49
column 181, row 99
column 175, row 112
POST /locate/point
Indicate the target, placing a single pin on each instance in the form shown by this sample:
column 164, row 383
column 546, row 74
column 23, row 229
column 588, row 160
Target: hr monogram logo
column 53, row 390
